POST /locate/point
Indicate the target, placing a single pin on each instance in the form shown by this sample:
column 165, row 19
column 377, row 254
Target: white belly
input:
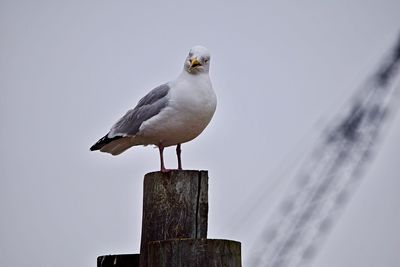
column 185, row 117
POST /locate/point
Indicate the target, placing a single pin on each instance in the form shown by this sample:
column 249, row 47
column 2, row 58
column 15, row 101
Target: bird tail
column 104, row 141
column 115, row 145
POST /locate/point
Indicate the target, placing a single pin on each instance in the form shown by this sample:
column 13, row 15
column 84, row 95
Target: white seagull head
column 198, row 60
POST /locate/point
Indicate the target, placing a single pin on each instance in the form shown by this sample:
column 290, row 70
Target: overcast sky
column 70, row 69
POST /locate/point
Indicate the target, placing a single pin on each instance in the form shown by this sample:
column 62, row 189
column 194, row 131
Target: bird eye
column 206, row 60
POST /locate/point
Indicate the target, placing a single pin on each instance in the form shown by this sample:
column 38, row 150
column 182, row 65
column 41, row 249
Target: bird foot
column 163, row 170
column 169, row 170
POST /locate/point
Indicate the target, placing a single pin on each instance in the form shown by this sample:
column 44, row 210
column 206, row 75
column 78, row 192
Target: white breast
column 192, row 103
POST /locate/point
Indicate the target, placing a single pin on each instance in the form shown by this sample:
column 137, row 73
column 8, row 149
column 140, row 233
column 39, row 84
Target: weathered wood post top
column 175, row 205
column 174, row 224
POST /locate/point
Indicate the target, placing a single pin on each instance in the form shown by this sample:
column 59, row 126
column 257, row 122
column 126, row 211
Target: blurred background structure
column 329, row 176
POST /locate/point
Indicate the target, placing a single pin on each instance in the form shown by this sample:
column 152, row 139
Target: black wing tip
column 104, row 141
column 97, row 146
column 94, row 147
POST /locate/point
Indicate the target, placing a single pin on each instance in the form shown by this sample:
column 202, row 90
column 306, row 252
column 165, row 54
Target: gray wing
column 149, row 106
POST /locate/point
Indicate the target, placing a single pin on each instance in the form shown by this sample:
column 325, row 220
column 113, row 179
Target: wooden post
column 121, row 260
column 194, row 253
column 174, row 226
column 175, row 205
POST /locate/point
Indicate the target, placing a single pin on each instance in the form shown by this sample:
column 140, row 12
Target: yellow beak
column 194, row 62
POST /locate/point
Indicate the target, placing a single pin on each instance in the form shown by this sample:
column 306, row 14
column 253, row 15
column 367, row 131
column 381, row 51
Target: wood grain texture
column 195, row 253
column 175, row 205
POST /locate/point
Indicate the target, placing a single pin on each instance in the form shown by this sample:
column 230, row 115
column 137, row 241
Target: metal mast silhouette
column 330, row 174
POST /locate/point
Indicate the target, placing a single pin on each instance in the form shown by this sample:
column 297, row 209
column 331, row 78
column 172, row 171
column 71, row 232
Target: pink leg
column 161, row 149
column 178, row 154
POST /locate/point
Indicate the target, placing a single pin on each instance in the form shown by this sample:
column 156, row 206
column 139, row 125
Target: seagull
column 171, row 114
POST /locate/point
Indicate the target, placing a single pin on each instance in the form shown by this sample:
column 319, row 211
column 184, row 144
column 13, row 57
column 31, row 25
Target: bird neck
column 194, row 76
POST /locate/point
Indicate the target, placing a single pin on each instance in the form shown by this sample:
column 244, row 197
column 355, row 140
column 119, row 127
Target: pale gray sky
column 69, row 69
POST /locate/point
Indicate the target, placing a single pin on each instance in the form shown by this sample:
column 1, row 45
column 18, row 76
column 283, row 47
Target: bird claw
column 163, row 170
column 169, row 170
